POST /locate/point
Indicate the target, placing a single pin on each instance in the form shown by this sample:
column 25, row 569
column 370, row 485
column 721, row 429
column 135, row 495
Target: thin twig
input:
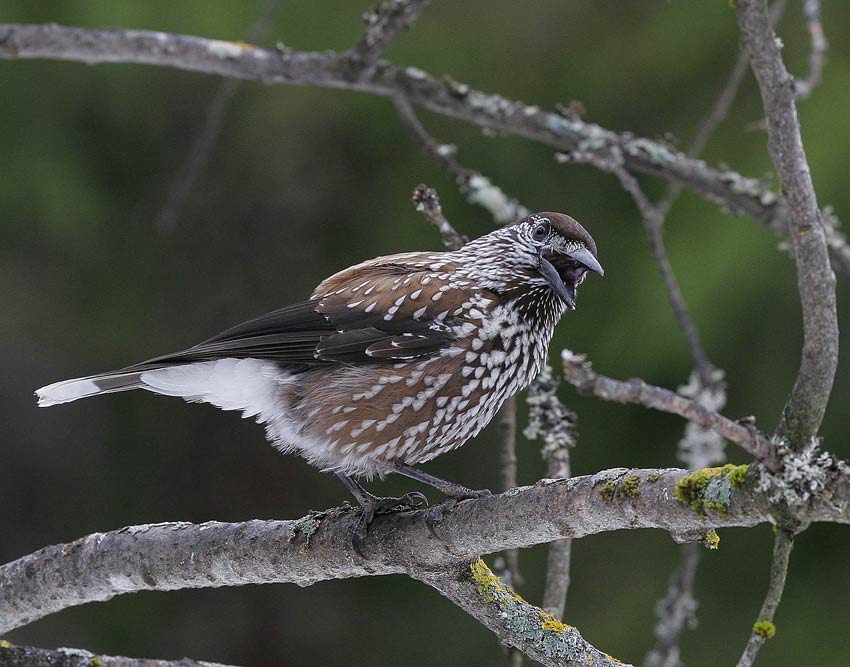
column 653, row 221
column 442, row 153
column 764, row 629
column 206, row 139
column 804, row 87
column 579, row 373
column 32, row 656
column 675, row 610
column 478, row 188
column 382, row 25
column 427, row 202
column 805, row 407
column 552, row 422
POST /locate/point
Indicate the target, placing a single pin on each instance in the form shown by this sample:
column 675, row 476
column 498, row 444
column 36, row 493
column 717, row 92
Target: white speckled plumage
column 391, row 362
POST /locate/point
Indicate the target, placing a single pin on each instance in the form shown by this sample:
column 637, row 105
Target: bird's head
column 558, row 249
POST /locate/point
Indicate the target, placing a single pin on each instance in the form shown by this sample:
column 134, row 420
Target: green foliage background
column 304, row 182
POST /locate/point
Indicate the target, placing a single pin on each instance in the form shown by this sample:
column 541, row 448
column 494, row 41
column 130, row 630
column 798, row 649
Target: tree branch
column 804, row 87
column 177, row 555
column 764, row 628
column 805, row 406
column 738, row 194
column 31, row 656
column 653, row 218
column 552, row 422
column 579, row 373
column 478, row 188
column 476, row 590
column 382, row 25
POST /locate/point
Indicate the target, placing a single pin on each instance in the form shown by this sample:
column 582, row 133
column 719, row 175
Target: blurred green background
column 304, row 182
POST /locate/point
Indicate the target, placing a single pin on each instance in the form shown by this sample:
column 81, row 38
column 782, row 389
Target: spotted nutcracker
column 391, row 362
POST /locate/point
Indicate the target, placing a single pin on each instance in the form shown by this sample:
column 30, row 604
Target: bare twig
column 738, row 194
column 31, row 656
column 764, row 628
column 199, row 154
column 579, row 373
column 442, row 153
column 318, row 547
column 383, row 23
column 675, row 610
column 653, row 222
column 805, row 406
column 427, row 202
column 653, row 217
column 552, row 422
column 478, row 188
column 804, row 87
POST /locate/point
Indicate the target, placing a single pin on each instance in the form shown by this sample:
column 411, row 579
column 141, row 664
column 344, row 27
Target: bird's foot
column 373, row 505
column 435, row 515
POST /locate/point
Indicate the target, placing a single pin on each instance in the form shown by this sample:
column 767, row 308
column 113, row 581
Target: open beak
column 565, row 272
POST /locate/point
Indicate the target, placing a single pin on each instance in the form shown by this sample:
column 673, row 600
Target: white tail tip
column 65, row 391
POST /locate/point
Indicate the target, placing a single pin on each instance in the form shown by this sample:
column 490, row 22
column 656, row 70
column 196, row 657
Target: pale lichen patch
column 526, row 623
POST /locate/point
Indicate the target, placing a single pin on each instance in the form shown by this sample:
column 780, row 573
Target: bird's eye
column 540, row 231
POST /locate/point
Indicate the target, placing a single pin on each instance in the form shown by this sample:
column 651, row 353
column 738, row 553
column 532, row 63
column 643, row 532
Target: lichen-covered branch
column 31, row 656
column 177, row 555
column 805, row 407
column 383, row 23
column 738, row 194
column 552, row 422
column 479, row 189
column 763, row 628
column 476, row 590
column 811, row 12
column 579, row 373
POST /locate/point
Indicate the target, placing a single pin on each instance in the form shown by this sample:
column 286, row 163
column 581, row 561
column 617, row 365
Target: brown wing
column 392, row 308
column 396, row 307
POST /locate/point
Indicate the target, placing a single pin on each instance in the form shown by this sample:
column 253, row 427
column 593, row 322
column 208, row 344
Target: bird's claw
column 435, row 515
column 382, row 505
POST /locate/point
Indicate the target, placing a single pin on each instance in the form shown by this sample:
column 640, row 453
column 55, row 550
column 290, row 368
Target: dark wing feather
column 339, row 325
column 288, row 335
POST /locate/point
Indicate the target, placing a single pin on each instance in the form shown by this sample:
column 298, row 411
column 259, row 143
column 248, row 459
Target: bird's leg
column 455, row 492
column 373, row 505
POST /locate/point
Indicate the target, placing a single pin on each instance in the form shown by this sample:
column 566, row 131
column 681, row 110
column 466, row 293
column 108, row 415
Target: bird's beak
column 565, row 272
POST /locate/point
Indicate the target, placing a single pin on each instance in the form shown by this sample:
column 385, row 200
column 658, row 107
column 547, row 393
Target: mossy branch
column 524, row 626
column 177, row 555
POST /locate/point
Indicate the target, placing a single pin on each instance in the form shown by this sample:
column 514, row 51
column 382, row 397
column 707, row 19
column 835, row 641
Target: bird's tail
column 70, row 390
column 249, row 385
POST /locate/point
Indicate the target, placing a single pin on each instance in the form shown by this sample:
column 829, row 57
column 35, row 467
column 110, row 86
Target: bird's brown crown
column 566, row 226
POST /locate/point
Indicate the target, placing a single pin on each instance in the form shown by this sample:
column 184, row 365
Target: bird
column 389, row 363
